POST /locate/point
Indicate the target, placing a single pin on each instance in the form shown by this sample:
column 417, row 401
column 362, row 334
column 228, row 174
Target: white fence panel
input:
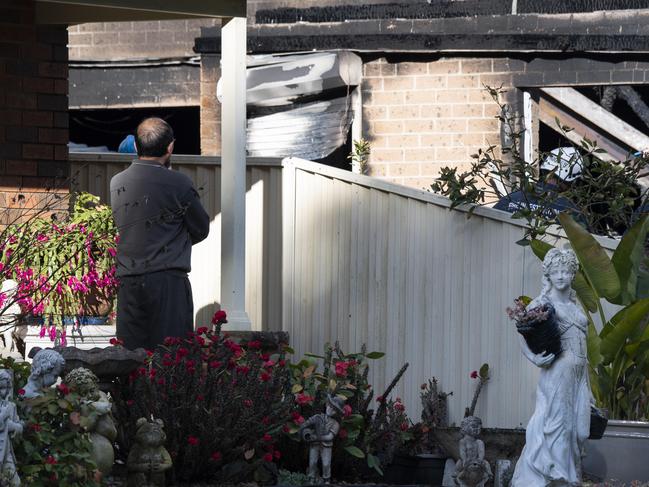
column 370, row 262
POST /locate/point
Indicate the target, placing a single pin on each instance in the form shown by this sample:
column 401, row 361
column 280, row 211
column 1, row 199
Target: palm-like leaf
column 596, row 265
column 627, row 258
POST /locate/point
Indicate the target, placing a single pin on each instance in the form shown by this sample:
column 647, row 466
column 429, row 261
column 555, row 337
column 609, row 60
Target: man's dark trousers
column 152, row 307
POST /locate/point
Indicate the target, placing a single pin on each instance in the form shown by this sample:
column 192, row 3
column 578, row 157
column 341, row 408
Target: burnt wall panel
column 135, row 87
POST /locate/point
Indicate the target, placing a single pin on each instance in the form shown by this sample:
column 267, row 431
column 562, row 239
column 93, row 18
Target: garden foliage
column 64, row 267
column 224, row 405
column 605, row 196
column 368, row 438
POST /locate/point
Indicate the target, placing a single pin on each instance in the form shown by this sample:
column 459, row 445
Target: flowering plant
column 55, row 448
column 537, row 325
column 368, row 438
column 222, row 402
column 63, row 267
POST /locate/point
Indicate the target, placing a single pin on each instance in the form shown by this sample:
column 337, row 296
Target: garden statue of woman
column 319, row 432
column 96, row 406
column 10, row 427
column 557, row 430
column 46, row 367
column 472, row 470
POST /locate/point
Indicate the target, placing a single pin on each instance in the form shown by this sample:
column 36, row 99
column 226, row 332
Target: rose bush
column 224, row 405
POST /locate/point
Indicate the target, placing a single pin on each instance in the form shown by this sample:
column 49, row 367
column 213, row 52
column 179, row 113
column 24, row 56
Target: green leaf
column 373, row 462
column 627, row 258
column 593, row 344
column 375, row 355
column 596, row 265
column 355, row 451
column 629, row 323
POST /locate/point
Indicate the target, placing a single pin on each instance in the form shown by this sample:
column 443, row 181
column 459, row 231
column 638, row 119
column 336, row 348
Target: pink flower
column 111, row 251
column 216, row 456
column 297, row 417
column 342, row 434
column 268, row 457
column 65, row 390
column 265, row 377
column 347, row 411
column 247, row 403
column 404, row 426
column 254, row 344
column 192, row 440
column 267, row 438
column 474, row 374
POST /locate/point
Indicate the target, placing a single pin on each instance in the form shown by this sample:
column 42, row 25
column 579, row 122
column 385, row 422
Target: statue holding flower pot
column 559, row 427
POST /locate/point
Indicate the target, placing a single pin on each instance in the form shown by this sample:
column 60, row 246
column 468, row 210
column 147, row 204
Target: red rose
column 130, row 402
column 216, row 456
column 342, row 434
column 404, row 426
column 268, row 457
column 474, row 374
column 281, row 363
column 297, row 417
column 200, row 397
column 21, row 392
column 219, row 317
column 347, row 411
column 303, row 399
column 254, row 344
column 265, row 377
column 277, row 454
column 215, row 364
column 201, row 330
column 65, row 390
column 192, row 440
column 116, row 341
column 35, row 427
column 51, row 460
column 380, row 399
column 247, row 403
column 265, row 420
column 399, row 407
column 267, row 438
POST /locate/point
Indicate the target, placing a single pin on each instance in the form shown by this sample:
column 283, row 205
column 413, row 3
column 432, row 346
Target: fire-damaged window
column 302, row 105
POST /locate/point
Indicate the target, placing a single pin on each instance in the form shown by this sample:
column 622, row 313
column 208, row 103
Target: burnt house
column 409, row 77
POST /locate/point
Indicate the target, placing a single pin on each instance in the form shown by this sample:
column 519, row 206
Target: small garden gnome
column 471, row 470
column 319, row 432
column 48, row 364
column 10, row 427
column 96, row 408
column 148, row 459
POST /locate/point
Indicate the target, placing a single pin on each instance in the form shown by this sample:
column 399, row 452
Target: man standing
column 159, row 217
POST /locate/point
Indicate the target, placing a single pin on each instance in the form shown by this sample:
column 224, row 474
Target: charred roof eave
column 599, row 32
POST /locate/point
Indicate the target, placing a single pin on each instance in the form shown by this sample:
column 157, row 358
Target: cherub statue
column 148, row 459
column 319, row 432
column 10, row 427
column 472, row 470
column 48, row 364
column 96, row 407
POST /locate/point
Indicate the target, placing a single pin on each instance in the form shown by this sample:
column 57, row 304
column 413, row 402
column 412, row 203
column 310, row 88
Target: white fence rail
column 334, row 256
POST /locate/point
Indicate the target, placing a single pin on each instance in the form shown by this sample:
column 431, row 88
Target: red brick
column 61, row 86
column 37, row 52
column 10, row 117
column 37, row 119
column 21, row 168
column 38, row 151
column 38, row 85
column 61, row 152
column 24, row 101
column 53, row 136
column 53, row 70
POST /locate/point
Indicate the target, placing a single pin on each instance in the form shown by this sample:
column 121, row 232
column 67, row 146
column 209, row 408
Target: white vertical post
column 527, row 127
column 233, row 173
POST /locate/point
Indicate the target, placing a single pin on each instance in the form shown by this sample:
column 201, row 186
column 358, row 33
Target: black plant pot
column 542, row 336
column 416, row 469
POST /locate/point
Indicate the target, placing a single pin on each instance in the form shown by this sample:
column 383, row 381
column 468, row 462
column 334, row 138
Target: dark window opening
column 109, row 127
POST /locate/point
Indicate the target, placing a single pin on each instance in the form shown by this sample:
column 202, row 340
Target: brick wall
column 210, row 107
column 33, row 108
column 135, row 40
column 422, row 115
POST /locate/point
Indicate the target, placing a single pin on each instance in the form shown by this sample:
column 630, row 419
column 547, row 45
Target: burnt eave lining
column 439, row 9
